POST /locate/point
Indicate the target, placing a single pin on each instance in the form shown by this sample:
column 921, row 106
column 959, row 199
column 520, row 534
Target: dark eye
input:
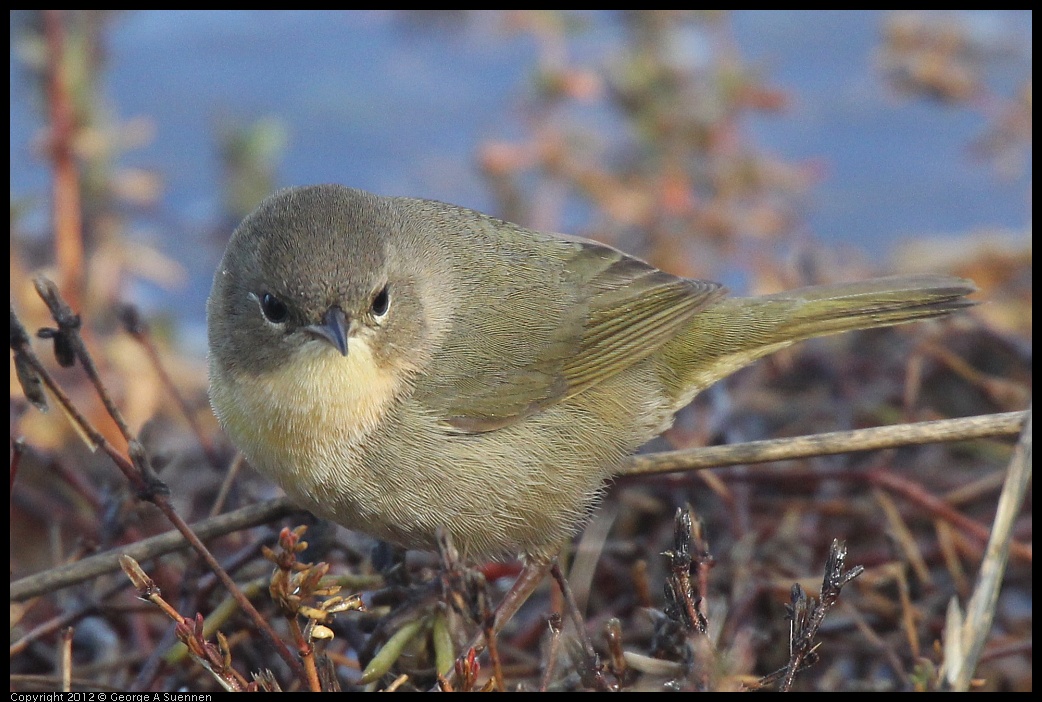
column 274, row 309
column 381, row 302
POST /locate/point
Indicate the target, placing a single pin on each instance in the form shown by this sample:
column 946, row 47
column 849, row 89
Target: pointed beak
column 334, row 328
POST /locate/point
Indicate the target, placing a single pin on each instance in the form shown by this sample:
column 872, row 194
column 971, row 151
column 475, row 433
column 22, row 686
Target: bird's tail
column 736, row 331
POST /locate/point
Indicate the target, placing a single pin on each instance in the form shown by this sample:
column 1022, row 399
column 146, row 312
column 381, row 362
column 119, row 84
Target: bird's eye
column 381, row 302
column 274, row 309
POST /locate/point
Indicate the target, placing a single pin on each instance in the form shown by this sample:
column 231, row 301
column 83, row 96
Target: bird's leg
column 533, row 572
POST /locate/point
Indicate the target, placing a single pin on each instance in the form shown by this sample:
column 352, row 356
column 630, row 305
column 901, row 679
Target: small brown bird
column 399, row 365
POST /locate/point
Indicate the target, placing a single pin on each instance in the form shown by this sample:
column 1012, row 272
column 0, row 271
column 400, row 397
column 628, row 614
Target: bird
column 402, row 366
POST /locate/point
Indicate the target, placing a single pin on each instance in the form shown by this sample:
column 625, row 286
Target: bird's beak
column 334, row 328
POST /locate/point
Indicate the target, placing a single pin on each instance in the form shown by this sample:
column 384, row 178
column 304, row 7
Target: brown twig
column 137, row 468
column 139, row 331
column 69, row 346
column 616, row 656
column 215, row 658
column 684, row 623
column 938, row 507
column 466, row 591
column 684, row 598
column 292, row 584
column 592, row 671
column 555, row 625
column 65, row 619
column 807, row 614
column 492, row 644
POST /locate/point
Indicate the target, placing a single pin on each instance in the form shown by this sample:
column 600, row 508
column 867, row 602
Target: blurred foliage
column 940, row 56
column 250, row 154
column 666, row 170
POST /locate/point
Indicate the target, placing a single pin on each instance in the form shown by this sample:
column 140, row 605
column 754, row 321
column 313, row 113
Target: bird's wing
column 564, row 314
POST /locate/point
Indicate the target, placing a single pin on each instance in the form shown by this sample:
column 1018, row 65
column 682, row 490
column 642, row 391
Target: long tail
column 736, row 331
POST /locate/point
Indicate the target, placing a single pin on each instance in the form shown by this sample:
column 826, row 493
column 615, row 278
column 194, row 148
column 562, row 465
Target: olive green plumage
column 494, row 376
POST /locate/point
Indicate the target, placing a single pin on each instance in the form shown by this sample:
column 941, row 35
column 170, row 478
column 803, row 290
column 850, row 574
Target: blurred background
column 710, row 143
column 766, row 150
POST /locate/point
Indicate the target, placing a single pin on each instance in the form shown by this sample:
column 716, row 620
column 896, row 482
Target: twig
column 67, row 659
column 555, row 625
column 684, row 599
column 67, row 339
column 293, row 584
column 982, row 426
column 592, row 671
column 466, row 591
column 686, row 586
column 941, row 509
column 67, row 618
column 616, row 655
column 964, row 641
column 488, row 629
column 215, row 658
column 137, row 469
column 152, row 547
column 139, row 331
column 807, row 614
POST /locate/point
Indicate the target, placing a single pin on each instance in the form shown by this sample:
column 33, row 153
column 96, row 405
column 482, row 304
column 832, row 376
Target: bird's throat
column 317, row 406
